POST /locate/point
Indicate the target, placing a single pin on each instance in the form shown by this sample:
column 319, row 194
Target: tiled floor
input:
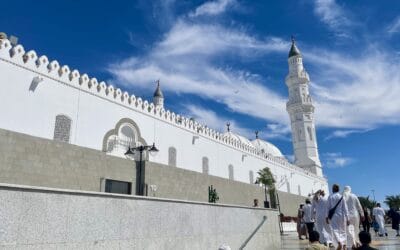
column 290, row 241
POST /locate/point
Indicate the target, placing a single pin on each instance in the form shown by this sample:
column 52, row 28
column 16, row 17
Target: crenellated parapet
column 63, row 74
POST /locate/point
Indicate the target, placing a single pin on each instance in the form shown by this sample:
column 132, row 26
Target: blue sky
column 226, row 60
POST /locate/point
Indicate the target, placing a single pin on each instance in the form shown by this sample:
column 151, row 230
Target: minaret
column 301, row 112
column 158, row 97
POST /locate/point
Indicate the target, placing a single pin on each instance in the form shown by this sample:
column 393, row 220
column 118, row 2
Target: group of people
column 336, row 219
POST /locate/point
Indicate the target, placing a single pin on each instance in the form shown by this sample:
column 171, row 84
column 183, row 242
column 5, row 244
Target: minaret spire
column 158, row 97
column 301, row 112
column 294, row 51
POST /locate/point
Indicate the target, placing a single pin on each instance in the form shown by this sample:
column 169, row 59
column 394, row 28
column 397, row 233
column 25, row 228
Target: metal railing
column 253, row 233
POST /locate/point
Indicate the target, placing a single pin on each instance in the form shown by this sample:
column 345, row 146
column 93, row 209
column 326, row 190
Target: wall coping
column 39, row 189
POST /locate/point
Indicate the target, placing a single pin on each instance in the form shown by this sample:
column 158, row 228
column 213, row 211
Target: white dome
column 267, row 147
column 240, row 138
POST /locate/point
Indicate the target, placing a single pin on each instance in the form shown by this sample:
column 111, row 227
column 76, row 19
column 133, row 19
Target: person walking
column 379, row 217
column 309, row 216
column 394, row 214
column 301, row 227
column 319, row 204
column 366, row 223
column 355, row 211
column 338, row 217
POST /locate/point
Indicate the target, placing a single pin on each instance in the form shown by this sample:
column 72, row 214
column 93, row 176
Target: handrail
column 253, row 233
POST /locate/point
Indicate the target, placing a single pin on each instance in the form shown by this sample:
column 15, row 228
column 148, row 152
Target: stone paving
column 290, row 241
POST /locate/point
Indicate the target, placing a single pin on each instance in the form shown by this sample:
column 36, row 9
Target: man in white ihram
column 379, row 216
column 340, row 218
column 355, row 211
column 320, row 203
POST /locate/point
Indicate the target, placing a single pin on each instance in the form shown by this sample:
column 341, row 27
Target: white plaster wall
column 94, row 113
column 35, row 218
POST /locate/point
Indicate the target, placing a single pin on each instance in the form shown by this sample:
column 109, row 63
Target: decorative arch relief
column 172, row 156
column 125, row 134
column 62, row 128
column 205, row 166
column 231, row 172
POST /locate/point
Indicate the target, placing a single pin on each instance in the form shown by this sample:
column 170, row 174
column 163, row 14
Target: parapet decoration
column 41, row 66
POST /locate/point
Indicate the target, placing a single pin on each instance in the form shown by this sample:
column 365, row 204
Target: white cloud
column 333, row 16
column 278, row 130
column 355, row 92
column 183, row 61
column 212, row 8
column 336, row 160
column 217, row 122
column 345, row 133
column 350, row 93
column 394, row 27
column 210, row 40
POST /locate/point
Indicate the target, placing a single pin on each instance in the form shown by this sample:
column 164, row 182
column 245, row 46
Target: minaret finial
column 256, row 132
column 228, row 124
column 158, row 92
column 294, row 51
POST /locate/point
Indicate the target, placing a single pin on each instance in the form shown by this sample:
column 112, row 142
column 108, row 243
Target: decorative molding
column 116, row 129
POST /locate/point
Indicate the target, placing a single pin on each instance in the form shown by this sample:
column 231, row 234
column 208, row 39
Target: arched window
column 205, row 165
column 172, row 156
column 309, row 130
column 299, row 189
column 62, row 128
column 251, row 177
column 231, row 174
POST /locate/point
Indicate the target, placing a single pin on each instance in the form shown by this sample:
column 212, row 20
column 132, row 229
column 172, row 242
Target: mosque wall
column 34, row 161
column 35, row 92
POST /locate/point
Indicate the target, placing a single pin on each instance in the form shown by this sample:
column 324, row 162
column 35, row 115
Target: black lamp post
column 141, row 169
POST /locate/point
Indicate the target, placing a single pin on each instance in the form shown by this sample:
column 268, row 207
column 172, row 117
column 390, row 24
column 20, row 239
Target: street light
column 141, row 170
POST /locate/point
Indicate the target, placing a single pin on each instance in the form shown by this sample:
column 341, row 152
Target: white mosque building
column 44, row 99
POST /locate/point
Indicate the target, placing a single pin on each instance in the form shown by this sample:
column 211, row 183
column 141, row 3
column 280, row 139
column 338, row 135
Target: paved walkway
column 290, row 241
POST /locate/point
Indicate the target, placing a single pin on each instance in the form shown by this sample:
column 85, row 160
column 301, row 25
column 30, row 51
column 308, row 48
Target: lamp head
column 153, row 148
column 129, row 152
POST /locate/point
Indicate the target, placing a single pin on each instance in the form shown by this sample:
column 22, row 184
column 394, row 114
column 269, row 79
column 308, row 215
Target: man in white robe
column 379, row 217
column 355, row 211
column 320, row 203
column 340, row 218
